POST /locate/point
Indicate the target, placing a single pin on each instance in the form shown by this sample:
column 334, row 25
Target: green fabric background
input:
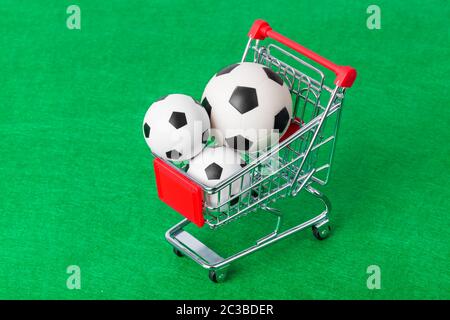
column 76, row 178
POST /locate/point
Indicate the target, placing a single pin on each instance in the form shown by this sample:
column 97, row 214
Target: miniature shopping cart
column 300, row 162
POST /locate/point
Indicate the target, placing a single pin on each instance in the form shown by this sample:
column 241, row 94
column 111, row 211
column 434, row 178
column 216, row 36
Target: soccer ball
column 176, row 127
column 215, row 165
column 249, row 105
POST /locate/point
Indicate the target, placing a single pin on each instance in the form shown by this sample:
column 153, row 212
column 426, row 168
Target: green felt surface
column 77, row 185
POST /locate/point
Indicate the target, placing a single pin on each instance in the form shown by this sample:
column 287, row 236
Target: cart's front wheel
column 321, row 232
column 217, row 276
column 178, row 252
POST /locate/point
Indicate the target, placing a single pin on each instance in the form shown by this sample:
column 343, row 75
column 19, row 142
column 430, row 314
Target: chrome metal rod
column 311, row 144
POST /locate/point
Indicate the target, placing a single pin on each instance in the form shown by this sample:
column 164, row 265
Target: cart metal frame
column 299, row 163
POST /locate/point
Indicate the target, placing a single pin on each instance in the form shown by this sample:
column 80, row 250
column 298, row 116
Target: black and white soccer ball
column 250, row 106
column 176, row 127
column 215, row 165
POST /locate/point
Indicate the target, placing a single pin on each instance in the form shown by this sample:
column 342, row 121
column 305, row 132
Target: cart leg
column 275, row 232
column 218, row 275
column 177, row 252
column 321, row 229
column 184, row 244
column 217, row 266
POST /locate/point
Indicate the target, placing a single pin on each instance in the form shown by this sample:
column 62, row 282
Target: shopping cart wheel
column 178, row 252
column 217, row 276
column 321, row 232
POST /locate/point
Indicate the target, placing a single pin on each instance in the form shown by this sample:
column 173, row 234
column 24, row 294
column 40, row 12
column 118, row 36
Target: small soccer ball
column 250, row 106
column 215, row 165
column 176, row 127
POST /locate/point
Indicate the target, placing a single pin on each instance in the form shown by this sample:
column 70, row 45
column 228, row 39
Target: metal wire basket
column 301, row 159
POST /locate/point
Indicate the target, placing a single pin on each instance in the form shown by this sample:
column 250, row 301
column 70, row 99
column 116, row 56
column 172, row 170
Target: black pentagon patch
column 205, row 136
column 244, row 99
column 273, row 76
column 227, row 69
column 234, row 201
column 178, row 119
column 239, row 143
column 281, row 120
column 173, row 154
column 213, row 171
column 161, row 98
column 243, row 164
column 207, row 106
column 146, row 130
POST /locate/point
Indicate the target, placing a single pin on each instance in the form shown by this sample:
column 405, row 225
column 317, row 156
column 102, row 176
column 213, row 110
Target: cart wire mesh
column 288, row 167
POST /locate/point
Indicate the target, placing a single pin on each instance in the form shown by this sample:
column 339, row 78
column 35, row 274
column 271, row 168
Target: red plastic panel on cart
column 293, row 128
column 178, row 192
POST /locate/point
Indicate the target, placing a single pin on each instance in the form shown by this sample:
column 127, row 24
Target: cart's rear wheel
column 321, row 232
column 217, row 276
column 178, row 252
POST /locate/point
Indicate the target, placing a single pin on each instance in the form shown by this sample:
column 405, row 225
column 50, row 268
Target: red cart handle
column 345, row 76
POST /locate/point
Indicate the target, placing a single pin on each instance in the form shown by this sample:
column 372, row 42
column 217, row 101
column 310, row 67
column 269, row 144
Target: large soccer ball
column 249, row 105
column 215, row 165
column 176, row 127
